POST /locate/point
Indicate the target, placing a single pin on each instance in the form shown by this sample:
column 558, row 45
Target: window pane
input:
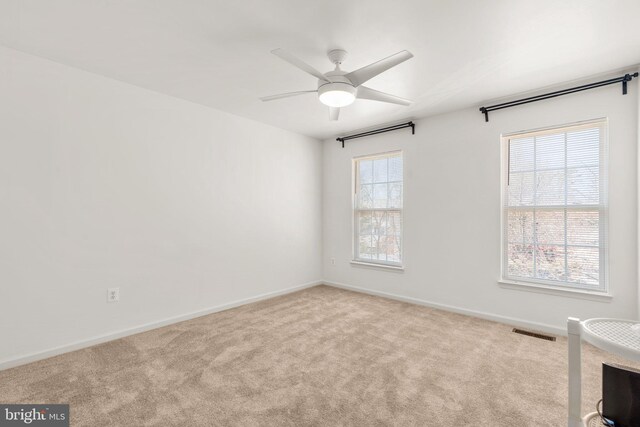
column 381, row 247
column 520, row 189
column 380, row 170
column 584, row 265
column 374, row 247
column 394, row 244
column 520, row 226
column 550, row 151
column 583, row 148
column 395, row 195
column 364, row 223
column 394, row 223
column 583, row 228
column 393, row 249
column 365, row 248
column 365, row 197
column 379, row 223
column 380, row 195
column 550, row 227
column 366, row 171
column 520, row 260
column 395, row 169
column 550, row 262
column 389, row 248
column 521, row 154
column 550, row 187
column 583, row 186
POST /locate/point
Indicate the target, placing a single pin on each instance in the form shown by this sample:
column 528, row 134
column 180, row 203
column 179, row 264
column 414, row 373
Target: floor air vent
column 534, row 334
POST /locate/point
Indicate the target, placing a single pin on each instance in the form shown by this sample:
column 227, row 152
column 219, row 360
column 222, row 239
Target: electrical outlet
column 113, row 294
column 333, row 261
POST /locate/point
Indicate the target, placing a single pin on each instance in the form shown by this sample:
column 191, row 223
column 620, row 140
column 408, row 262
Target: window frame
column 555, row 287
column 355, row 175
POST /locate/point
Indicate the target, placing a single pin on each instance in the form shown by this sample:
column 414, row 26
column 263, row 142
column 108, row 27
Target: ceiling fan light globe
column 337, row 94
column 337, row 98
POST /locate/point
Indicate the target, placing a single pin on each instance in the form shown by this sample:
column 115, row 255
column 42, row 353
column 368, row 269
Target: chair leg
column 574, row 329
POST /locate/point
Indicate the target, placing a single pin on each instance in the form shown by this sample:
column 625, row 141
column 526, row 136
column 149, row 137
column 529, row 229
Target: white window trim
column 540, row 285
column 354, row 234
column 555, row 290
column 393, row 267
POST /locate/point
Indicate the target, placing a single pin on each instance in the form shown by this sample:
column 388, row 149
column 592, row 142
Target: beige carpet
column 322, row 356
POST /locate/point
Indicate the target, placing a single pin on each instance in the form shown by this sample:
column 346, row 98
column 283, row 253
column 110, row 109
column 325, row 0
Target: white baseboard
column 550, row 329
column 33, row 357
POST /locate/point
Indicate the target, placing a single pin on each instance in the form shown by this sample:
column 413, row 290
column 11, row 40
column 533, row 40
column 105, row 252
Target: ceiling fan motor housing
column 339, row 93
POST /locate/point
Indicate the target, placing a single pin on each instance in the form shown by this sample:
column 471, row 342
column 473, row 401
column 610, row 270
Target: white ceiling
column 216, row 52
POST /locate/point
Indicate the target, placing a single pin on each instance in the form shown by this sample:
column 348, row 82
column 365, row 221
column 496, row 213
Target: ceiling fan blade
column 363, row 74
column 286, row 95
column 334, row 113
column 375, row 95
column 293, row 60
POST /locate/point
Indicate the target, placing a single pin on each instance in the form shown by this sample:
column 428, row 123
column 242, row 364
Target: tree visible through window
column 555, row 207
column 378, row 209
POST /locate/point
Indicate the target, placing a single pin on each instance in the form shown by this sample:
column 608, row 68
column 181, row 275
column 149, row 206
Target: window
column 377, row 212
column 555, row 206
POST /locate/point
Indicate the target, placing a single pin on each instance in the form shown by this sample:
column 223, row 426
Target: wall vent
column 534, row 334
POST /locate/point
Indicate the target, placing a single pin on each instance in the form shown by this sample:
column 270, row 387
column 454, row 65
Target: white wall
column 104, row 184
column 452, row 210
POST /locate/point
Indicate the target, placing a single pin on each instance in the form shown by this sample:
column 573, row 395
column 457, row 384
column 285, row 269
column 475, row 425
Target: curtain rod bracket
column 627, row 78
column 486, row 113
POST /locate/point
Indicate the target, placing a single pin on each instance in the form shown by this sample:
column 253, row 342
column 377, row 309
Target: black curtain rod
column 377, row 131
column 622, row 79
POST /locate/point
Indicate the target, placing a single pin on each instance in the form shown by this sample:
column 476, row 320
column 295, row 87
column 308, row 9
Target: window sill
column 551, row 290
column 398, row 268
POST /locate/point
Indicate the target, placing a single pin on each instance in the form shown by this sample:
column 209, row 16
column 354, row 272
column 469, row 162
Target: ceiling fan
column 339, row 88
